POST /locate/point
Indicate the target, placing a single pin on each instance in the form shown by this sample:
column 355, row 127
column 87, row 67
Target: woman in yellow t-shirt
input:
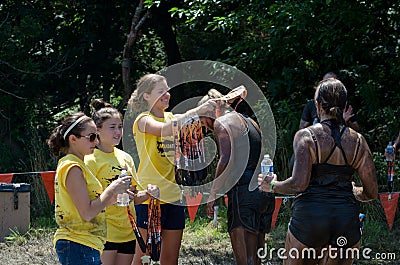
column 106, row 163
column 79, row 197
column 152, row 132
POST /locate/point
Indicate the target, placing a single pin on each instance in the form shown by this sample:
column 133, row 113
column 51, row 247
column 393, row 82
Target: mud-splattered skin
column 305, row 156
column 326, row 156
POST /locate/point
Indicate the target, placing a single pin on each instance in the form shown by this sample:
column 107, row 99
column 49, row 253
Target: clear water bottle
column 389, row 151
column 267, row 165
column 123, row 198
column 215, row 220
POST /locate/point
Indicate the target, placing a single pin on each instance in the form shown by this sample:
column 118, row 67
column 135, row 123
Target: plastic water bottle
column 267, row 165
column 361, row 217
column 215, row 220
column 389, row 152
column 123, row 198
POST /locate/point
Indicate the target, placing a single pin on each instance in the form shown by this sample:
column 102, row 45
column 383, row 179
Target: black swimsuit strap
column 249, row 123
column 338, row 145
column 315, row 143
column 336, row 135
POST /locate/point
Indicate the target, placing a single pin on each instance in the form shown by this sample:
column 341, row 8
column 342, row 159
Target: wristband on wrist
column 271, row 186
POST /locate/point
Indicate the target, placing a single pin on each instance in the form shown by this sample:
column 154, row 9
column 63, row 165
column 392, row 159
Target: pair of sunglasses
column 91, row 137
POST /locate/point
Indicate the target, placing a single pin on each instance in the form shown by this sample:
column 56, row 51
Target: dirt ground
column 41, row 252
column 201, row 245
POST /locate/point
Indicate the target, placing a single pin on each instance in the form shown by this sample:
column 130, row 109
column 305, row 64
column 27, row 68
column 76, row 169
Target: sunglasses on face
column 91, row 137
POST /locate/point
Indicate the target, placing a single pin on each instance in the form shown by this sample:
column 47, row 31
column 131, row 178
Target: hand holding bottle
column 123, row 197
column 267, row 176
column 266, row 182
column 153, row 191
column 389, row 152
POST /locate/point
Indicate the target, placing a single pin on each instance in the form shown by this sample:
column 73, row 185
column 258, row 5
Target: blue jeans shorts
column 71, row 253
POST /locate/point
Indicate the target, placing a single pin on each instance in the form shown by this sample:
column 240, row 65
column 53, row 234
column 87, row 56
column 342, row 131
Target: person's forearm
column 287, row 187
column 97, row 205
column 362, row 195
column 219, row 180
column 170, row 127
column 396, row 142
column 141, row 197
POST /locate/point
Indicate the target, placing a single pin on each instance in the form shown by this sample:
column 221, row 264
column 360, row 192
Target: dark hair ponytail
column 103, row 111
column 331, row 94
column 98, row 104
column 58, row 141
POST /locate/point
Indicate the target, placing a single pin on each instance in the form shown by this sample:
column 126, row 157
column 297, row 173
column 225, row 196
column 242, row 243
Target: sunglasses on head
column 91, row 137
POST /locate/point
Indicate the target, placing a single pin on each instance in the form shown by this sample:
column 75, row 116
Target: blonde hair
column 145, row 84
column 211, row 94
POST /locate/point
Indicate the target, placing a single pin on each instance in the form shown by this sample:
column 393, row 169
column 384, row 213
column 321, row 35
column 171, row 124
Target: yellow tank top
column 156, row 156
column 71, row 225
column 107, row 167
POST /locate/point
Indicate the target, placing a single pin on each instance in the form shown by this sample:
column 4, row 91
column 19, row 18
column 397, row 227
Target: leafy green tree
column 287, row 46
column 55, row 58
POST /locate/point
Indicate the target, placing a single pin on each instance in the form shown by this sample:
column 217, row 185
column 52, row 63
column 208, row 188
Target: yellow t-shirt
column 107, row 167
column 71, row 225
column 156, row 165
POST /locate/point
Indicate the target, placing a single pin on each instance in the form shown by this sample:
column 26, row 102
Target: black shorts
column 250, row 209
column 318, row 221
column 172, row 216
column 123, row 248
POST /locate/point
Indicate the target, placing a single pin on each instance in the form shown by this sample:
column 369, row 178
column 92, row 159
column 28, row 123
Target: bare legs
column 293, row 243
column 245, row 245
column 111, row 257
column 171, row 243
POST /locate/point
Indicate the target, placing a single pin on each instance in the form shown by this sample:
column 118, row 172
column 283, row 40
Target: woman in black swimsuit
column 325, row 211
column 239, row 150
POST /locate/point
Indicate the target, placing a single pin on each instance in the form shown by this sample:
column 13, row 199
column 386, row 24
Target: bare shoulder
column 303, row 136
column 351, row 139
column 303, row 146
column 227, row 120
column 230, row 116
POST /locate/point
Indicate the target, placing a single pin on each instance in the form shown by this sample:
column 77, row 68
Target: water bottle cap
column 123, row 173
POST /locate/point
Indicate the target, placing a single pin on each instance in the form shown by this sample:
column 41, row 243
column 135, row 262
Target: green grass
column 376, row 235
column 201, row 231
column 39, row 228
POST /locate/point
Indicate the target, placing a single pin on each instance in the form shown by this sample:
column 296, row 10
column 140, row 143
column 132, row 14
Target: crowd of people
column 327, row 153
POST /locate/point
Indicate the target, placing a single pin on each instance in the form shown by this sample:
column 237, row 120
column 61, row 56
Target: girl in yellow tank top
column 106, row 163
column 152, row 131
column 79, row 197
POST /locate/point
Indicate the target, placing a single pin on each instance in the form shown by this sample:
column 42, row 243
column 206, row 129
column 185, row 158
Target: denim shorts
column 172, row 216
column 71, row 253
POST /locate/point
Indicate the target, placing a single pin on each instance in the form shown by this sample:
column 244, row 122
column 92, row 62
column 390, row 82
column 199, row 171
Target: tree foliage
column 291, row 44
column 56, row 56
